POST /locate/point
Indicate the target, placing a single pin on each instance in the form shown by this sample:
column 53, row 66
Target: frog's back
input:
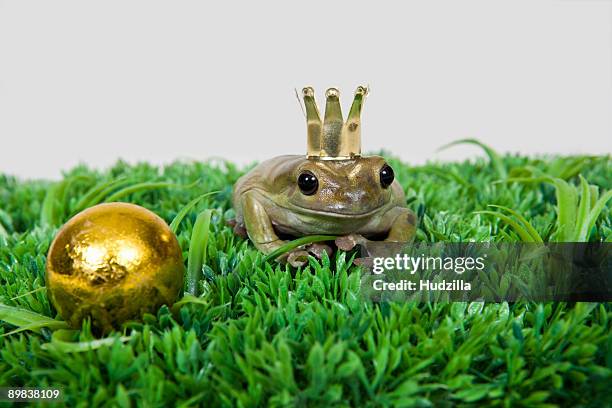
column 271, row 176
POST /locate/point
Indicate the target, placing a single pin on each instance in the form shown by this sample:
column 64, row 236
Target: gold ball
column 112, row 263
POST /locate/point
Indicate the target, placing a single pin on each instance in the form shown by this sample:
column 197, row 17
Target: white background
column 146, row 80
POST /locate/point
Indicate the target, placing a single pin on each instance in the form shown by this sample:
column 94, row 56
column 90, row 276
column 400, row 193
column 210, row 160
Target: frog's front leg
column 258, row 225
column 403, row 227
column 261, row 232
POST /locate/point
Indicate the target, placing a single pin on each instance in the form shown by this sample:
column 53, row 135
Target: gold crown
column 333, row 139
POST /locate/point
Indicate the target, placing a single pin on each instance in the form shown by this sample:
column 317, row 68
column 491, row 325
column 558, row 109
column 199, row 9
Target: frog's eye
column 308, row 183
column 386, row 176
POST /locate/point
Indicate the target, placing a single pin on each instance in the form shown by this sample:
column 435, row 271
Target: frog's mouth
column 336, row 213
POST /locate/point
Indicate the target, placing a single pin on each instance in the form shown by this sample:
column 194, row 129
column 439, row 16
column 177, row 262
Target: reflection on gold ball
column 113, row 262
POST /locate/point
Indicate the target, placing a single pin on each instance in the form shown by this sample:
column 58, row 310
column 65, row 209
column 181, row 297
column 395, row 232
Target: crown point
column 332, row 93
column 313, row 123
column 361, row 90
column 308, row 91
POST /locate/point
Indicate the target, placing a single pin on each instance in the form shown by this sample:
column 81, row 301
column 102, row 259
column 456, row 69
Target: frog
column 332, row 190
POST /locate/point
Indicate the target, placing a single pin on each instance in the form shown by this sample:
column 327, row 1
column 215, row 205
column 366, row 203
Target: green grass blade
column 81, row 346
column 6, row 223
column 449, row 175
column 525, row 171
column 42, row 288
column 494, row 157
column 147, row 186
column 597, row 209
column 570, row 168
column 65, row 199
column 28, row 320
column 538, row 179
column 3, row 232
column 582, row 219
column 65, row 334
column 98, row 192
column 567, row 203
column 296, row 243
column 197, row 251
column 55, row 203
column 530, row 229
column 48, row 213
column 185, row 210
column 519, row 229
column 35, row 327
column 189, row 299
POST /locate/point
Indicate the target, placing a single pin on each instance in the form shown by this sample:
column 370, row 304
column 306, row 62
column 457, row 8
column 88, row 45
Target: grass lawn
column 267, row 334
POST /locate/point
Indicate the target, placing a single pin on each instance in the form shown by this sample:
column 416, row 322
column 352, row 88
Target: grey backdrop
column 147, row 80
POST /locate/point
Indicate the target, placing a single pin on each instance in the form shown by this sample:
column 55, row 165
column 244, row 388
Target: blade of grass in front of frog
column 197, row 251
column 3, row 232
column 28, row 320
column 98, row 192
column 147, row 186
column 296, row 243
column 530, row 229
column 519, row 229
column 82, row 346
column 185, row 210
column 494, row 157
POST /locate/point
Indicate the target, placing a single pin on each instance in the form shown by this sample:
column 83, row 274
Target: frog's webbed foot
column 367, row 262
column 238, row 228
column 299, row 256
column 296, row 258
column 318, row 249
column 348, row 242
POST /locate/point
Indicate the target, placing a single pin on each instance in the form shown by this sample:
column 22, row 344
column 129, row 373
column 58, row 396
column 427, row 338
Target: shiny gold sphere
column 112, row 263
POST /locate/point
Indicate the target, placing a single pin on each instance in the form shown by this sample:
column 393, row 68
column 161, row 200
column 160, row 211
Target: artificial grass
column 266, row 334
